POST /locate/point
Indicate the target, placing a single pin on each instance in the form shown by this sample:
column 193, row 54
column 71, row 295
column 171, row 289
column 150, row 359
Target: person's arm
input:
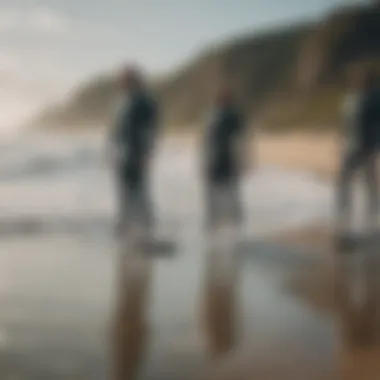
column 242, row 143
column 154, row 128
column 209, row 149
column 369, row 111
column 212, row 139
column 110, row 145
column 116, row 147
column 151, row 128
column 350, row 108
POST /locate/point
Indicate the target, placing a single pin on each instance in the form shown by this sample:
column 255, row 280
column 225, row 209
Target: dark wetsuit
column 222, row 164
column 133, row 138
column 362, row 156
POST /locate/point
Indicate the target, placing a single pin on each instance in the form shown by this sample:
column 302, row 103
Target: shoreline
column 307, row 152
column 316, row 153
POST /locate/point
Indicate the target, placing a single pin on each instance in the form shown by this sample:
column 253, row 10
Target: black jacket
column 221, row 150
column 369, row 118
column 135, row 132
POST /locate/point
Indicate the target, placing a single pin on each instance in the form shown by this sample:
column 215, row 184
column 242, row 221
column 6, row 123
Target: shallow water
column 47, row 181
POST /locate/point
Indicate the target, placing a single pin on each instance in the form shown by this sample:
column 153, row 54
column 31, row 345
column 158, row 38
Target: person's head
column 356, row 79
column 371, row 80
column 363, row 79
column 131, row 79
column 225, row 95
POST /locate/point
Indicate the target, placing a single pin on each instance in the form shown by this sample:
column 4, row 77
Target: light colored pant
column 223, row 201
column 134, row 203
column 354, row 160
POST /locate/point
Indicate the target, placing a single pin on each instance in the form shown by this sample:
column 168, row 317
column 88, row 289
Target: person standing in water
column 132, row 142
column 362, row 143
column 224, row 159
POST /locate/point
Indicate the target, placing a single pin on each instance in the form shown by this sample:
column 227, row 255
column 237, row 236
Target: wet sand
column 344, row 341
column 70, row 307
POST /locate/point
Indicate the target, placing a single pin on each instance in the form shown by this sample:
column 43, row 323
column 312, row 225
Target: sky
column 47, row 46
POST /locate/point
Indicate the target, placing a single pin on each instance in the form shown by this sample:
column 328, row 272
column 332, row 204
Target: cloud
column 9, row 19
column 20, row 96
column 19, row 73
column 46, row 20
column 8, row 62
column 10, row 70
column 40, row 20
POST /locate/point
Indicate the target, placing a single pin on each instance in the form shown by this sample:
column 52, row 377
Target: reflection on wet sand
column 285, row 324
column 343, row 288
column 220, row 292
column 357, row 289
column 356, row 298
column 356, row 363
column 352, row 274
column 130, row 325
column 287, row 342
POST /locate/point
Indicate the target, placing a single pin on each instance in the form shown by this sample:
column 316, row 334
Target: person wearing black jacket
column 223, row 159
column 363, row 120
column 132, row 141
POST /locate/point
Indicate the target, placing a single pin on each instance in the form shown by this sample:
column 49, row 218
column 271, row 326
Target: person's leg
column 371, row 180
column 222, row 196
column 234, row 200
column 140, row 207
column 211, row 203
column 130, row 203
column 122, row 195
column 145, row 204
column 350, row 163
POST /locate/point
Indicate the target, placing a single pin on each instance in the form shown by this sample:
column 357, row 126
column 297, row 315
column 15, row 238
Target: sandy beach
column 306, row 152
